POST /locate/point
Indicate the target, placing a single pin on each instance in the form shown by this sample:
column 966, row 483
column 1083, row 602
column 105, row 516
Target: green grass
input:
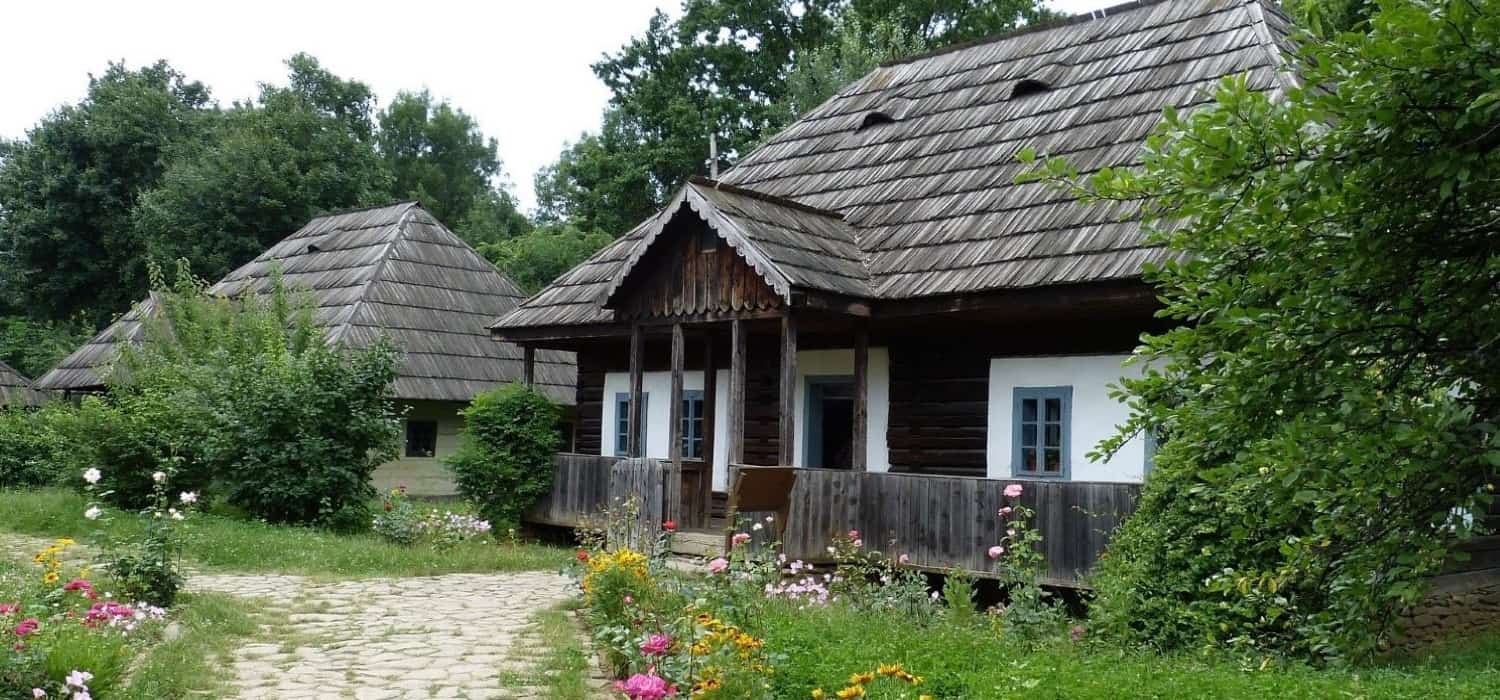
column 561, row 671
column 210, row 626
column 823, row 646
column 222, row 543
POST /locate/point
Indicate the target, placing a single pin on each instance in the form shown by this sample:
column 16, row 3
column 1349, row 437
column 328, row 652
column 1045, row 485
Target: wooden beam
column 736, row 417
column 710, row 410
column 528, row 365
column 858, row 458
column 679, row 353
column 633, row 441
column 786, row 443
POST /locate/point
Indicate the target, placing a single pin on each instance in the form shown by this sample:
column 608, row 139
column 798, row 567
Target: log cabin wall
column 691, row 272
column 939, row 404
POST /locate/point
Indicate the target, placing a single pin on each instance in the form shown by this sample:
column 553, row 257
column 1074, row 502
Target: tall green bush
column 510, row 442
column 247, row 392
column 30, row 447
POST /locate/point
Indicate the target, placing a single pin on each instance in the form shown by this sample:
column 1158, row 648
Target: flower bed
column 665, row 634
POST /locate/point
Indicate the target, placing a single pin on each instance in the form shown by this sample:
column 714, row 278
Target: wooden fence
column 949, row 521
column 586, row 486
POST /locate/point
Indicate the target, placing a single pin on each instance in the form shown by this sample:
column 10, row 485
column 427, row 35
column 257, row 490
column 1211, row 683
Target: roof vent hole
column 875, row 119
column 313, row 248
column 1028, row 86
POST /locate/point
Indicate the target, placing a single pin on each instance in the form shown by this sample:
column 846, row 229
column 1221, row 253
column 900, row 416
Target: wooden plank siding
column 679, row 278
column 944, row 522
column 939, row 407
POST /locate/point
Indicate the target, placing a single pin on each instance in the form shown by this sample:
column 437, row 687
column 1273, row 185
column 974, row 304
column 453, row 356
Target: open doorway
column 830, row 422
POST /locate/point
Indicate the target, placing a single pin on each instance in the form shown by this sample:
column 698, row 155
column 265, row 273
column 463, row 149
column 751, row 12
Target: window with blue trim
column 1042, row 419
column 622, row 423
column 692, row 424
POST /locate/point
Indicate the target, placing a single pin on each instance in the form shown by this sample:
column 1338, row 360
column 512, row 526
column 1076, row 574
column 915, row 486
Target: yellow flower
column 818, row 694
column 66, row 542
column 50, row 577
column 861, row 678
column 924, row 696
column 889, row 669
column 853, row 691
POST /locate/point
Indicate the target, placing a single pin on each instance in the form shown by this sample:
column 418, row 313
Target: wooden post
column 788, row 436
column 736, row 415
column 528, row 365
column 861, row 395
column 633, row 441
column 674, row 449
column 710, row 406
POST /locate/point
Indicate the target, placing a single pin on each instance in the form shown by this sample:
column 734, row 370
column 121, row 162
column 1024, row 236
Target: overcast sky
column 521, row 68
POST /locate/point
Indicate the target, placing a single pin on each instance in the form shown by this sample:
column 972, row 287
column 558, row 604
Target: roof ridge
column 1264, row 36
column 1069, row 20
column 370, row 207
column 337, row 335
column 769, row 198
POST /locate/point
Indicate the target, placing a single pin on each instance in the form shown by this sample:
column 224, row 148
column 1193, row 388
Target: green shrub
column 505, row 461
column 30, row 448
column 247, row 392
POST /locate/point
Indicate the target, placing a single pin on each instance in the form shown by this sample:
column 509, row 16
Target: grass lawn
column 221, row 543
column 824, row 646
column 210, row 626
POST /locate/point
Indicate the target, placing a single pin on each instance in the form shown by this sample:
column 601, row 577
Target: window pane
column 1054, row 435
column 1054, row 460
column 1054, row 409
column 1028, row 434
column 1028, row 409
column 1028, row 459
column 421, row 438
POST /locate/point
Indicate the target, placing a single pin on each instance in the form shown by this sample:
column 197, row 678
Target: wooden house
column 871, row 299
column 16, row 391
column 395, row 272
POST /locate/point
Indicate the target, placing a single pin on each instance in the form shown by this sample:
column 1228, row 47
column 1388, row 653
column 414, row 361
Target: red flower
column 78, row 584
column 583, row 555
column 669, row 526
column 27, row 626
column 387, row 505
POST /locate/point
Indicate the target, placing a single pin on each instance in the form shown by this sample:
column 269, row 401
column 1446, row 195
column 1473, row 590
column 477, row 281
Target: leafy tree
column 536, row 258
column 67, row 189
column 858, row 48
column 298, row 151
column 720, row 68
column 33, row 347
column 438, row 155
column 1327, row 408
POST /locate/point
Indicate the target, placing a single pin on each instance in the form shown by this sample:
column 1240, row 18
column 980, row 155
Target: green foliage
column 721, row 67
column 147, row 567
column 32, row 346
column 247, row 391
column 857, row 47
column 504, row 464
column 67, row 189
column 1327, row 408
column 33, row 446
column 298, row 151
column 535, row 258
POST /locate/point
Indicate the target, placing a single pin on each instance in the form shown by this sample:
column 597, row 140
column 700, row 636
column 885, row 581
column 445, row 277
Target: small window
column 708, row 240
column 692, row 424
column 622, row 423
column 1042, row 424
column 421, row 438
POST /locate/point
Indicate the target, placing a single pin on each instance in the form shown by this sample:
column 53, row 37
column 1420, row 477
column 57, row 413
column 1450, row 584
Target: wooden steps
column 698, row 543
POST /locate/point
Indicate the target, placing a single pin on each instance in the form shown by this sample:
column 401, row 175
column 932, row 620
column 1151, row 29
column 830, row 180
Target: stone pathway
column 454, row 636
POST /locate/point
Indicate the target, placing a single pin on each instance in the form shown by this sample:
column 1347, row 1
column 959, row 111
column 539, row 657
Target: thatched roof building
column 391, row 271
column 15, row 389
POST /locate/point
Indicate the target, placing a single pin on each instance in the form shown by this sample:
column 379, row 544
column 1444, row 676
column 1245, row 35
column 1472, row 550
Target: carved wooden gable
column 690, row 271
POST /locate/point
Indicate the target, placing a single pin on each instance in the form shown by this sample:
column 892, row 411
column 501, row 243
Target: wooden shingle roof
column 391, row 271
column 15, row 389
column 928, row 197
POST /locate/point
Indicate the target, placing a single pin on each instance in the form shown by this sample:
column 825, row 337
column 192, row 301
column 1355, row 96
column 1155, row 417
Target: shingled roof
column 918, row 158
column 15, row 389
column 391, row 271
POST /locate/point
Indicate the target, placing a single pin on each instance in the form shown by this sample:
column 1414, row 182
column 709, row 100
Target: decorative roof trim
column 726, row 228
column 1284, row 72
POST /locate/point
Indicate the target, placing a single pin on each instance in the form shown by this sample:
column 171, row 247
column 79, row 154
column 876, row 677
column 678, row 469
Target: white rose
column 188, row 497
column 92, row 475
column 93, row 513
column 159, row 477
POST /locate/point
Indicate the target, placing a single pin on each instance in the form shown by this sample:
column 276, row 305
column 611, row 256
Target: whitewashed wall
column 658, row 385
column 1095, row 414
column 809, row 363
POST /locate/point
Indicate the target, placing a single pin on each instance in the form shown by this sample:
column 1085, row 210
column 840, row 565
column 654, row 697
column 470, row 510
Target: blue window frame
column 622, row 423
column 1042, row 420
column 1149, row 435
column 692, row 424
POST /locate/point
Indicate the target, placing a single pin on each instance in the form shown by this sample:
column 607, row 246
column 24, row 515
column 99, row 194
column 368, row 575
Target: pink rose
column 9, row 608
column 1013, row 491
column 1006, row 511
column 718, row 566
column 996, row 551
column 740, row 538
column 78, row 584
column 656, row 645
column 27, row 626
column 629, row 599
column 854, row 534
column 646, row 686
column 903, row 559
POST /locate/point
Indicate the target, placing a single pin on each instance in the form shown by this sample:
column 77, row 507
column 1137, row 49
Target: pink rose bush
column 646, row 686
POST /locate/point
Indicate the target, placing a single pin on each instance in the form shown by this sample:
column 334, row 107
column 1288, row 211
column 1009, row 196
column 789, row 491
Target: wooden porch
column 939, row 522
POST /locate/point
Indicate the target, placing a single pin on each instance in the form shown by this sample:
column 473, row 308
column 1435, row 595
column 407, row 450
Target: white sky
column 520, row 68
